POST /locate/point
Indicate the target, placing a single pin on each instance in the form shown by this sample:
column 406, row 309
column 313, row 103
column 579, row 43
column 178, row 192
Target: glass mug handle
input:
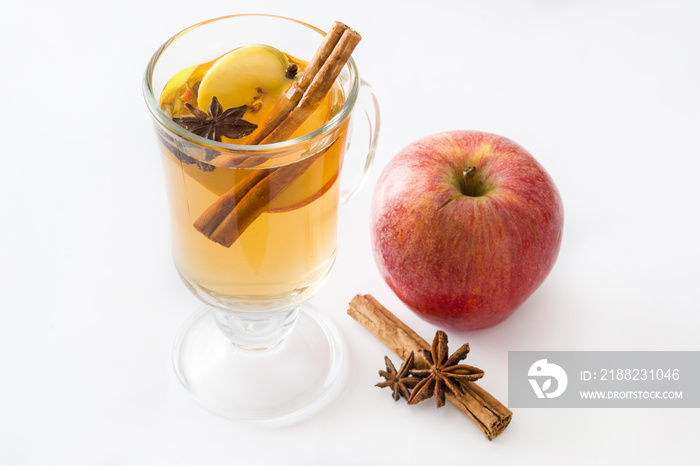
column 366, row 103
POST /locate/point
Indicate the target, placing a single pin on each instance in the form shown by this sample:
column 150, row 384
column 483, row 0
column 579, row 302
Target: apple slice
column 173, row 96
column 253, row 75
column 314, row 183
column 176, row 84
column 307, row 188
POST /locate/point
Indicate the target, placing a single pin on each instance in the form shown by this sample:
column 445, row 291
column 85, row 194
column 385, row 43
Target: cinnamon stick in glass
column 489, row 414
column 299, row 87
column 228, row 217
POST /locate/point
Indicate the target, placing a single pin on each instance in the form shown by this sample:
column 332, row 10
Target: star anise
column 217, row 122
column 443, row 372
column 399, row 381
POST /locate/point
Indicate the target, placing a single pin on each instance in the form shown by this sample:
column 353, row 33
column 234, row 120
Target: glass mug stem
column 253, row 330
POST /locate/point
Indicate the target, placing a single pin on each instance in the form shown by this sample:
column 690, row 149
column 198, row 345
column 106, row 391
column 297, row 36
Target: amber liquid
column 284, row 255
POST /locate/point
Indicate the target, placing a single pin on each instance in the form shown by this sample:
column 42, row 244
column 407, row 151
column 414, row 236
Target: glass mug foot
column 297, row 377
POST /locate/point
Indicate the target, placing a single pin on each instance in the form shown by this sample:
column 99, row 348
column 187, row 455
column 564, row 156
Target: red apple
column 465, row 226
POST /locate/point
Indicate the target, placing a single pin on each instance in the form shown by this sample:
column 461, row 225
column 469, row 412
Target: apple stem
column 470, row 185
column 469, row 172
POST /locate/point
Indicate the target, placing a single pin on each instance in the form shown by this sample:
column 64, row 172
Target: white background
column 604, row 94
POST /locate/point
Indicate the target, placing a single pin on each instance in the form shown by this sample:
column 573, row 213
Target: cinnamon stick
column 254, row 202
column 228, row 217
column 296, row 91
column 318, row 88
column 217, row 212
column 489, row 414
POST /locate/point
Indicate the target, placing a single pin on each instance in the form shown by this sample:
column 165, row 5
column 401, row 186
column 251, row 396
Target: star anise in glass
column 443, row 373
column 217, row 122
column 399, row 381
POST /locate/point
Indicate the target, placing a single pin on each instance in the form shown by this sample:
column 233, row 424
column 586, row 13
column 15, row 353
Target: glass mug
column 256, row 268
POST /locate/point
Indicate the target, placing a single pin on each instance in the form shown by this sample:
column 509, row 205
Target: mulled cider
column 254, row 224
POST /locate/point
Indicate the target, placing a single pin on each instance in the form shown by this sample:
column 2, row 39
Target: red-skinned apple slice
column 313, row 184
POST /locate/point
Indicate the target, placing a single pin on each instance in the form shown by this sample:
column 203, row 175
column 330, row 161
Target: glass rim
column 164, row 119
